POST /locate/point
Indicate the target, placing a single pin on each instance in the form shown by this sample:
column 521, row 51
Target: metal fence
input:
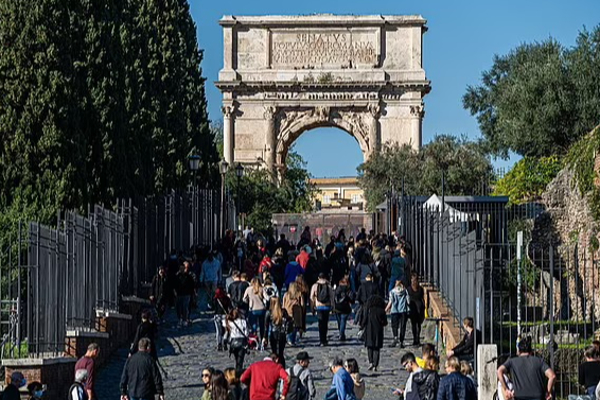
column 542, row 290
column 55, row 278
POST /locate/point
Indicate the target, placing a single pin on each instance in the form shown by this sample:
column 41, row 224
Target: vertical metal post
column 519, row 280
column 19, row 292
column 551, row 347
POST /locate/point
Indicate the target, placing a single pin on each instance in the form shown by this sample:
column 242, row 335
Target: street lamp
column 239, row 172
column 223, row 167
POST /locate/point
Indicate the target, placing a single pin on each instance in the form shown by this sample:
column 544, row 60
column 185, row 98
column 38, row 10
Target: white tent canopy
column 434, row 203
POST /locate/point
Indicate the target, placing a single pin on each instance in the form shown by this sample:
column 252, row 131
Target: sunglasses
column 206, row 375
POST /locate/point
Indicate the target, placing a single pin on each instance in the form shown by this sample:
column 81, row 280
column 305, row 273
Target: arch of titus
column 283, row 75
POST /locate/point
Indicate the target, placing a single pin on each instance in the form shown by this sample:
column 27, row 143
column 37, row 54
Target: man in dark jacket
column 146, row 329
column 141, row 378
column 367, row 289
column 456, row 386
column 11, row 392
column 185, row 290
column 465, row 350
column 161, row 291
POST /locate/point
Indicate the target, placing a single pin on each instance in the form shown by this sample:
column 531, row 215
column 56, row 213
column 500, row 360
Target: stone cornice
column 422, row 86
column 323, row 20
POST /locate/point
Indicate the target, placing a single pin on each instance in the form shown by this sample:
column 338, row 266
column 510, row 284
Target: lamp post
column 223, row 167
column 239, row 173
column 194, row 162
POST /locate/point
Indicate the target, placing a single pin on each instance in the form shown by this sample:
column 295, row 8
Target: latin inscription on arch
column 326, row 48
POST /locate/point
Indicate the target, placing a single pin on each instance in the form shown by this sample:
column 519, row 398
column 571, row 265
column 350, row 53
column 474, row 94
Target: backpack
column 78, row 385
column 323, row 293
column 297, row 390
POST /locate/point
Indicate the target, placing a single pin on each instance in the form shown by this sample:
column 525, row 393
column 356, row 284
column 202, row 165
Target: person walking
column 263, row 378
column 254, row 298
column 77, row 390
column 237, row 332
column 17, row 381
column 428, row 379
column 206, row 376
column 222, row 307
column 342, row 384
column 398, row 267
column 398, row 308
column 293, row 303
column 87, row 362
column 416, row 307
column 236, row 391
column 146, row 329
column 277, row 323
column 589, row 371
column 411, row 390
column 531, row 376
column 322, row 297
column 302, row 385
column 211, row 275
column 344, row 298
column 365, row 267
column 218, row 387
column 159, row 296
column 185, row 290
column 141, row 378
column 351, row 366
column 237, row 289
column 304, row 289
column 292, row 270
column 374, row 322
column 36, row 390
column 456, row 386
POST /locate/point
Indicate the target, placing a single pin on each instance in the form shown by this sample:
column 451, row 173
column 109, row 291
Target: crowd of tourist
column 260, row 291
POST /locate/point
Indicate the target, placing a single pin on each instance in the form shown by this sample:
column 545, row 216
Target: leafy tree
column 540, row 98
column 466, row 167
column 528, row 178
column 260, row 197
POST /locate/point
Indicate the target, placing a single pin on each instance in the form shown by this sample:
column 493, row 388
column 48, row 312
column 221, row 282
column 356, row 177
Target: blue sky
column 462, row 39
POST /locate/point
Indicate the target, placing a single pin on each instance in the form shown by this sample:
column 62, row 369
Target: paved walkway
column 183, row 353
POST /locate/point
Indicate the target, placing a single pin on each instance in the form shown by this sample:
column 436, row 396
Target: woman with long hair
column 219, row 389
column 351, row 366
column 293, row 303
column 207, row 374
column 236, row 391
column 416, row 307
column 398, row 308
column 277, row 322
column 374, row 323
column 304, row 290
column 254, row 297
column 237, row 330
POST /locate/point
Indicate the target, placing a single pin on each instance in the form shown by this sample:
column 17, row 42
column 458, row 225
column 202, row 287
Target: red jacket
column 302, row 259
column 262, row 377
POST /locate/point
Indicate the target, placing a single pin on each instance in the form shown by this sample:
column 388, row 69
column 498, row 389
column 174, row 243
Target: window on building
column 356, row 198
column 326, row 199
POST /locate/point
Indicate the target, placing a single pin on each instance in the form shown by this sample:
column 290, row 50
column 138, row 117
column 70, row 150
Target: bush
column 528, row 179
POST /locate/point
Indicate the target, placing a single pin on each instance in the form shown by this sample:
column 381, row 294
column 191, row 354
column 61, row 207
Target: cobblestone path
column 184, row 352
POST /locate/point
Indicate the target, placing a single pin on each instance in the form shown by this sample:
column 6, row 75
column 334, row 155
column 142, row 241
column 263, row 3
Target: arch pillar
column 416, row 132
column 374, row 131
column 271, row 140
column 228, row 114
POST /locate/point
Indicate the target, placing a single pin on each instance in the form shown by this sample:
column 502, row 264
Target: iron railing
column 55, row 278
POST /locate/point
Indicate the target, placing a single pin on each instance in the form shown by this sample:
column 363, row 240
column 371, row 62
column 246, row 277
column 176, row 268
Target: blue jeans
column 257, row 321
column 591, row 391
column 342, row 319
column 291, row 337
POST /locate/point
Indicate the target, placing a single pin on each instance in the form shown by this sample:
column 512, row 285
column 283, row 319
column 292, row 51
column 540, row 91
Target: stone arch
column 292, row 123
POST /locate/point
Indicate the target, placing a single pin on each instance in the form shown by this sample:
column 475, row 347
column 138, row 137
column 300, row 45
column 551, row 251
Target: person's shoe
column 374, row 369
column 342, row 338
column 402, row 345
column 220, row 347
column 224, row 346
column 371, row 366
column 394, row 343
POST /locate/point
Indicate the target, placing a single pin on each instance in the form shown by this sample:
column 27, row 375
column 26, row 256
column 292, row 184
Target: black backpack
column 296, row 391
column 323, row 293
